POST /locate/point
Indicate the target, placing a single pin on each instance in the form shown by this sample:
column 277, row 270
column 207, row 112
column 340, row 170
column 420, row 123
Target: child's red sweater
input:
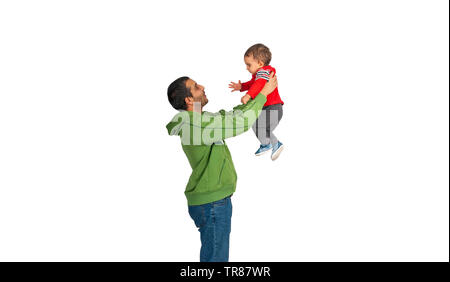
column 257, row 83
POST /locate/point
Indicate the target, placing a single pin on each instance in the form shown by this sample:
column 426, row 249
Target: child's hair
column 260, row 52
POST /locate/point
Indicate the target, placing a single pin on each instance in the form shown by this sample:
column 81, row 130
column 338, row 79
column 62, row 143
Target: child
column 257, row 59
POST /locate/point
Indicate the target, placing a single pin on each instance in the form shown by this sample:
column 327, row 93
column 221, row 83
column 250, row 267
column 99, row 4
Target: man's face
column 197, row 91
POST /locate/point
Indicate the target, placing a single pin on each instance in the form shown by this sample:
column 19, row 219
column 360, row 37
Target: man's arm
column 224, row 124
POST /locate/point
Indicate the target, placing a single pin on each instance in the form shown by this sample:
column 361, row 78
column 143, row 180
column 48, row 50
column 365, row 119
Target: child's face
column 252, row 64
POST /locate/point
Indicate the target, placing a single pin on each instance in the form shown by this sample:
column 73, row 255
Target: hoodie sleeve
column 222, row 125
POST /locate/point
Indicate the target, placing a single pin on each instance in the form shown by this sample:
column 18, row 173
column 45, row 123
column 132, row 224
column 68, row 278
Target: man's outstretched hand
column 270, row 85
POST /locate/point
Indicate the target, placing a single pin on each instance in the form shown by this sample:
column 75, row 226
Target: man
column 213, row 178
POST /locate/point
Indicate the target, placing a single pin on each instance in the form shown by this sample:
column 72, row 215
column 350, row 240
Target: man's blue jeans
column 214, row 223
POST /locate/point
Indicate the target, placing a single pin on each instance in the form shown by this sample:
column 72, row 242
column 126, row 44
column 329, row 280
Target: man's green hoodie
column 202, row 138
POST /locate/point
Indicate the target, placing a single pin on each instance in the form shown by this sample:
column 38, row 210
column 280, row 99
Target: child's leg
column 274, row 115
column 259, row 128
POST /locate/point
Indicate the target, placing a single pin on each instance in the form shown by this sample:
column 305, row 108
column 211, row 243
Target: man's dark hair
column 260, row 52
column 177, row 92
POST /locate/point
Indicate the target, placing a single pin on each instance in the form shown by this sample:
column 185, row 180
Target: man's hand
column 245, row 98
column 235, row 86
column 270, row 85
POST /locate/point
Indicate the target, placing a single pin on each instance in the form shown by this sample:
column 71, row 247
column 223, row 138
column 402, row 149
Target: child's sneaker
column 263, row 149
column 277, row 150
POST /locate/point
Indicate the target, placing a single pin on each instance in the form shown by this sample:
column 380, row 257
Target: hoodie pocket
column 227, row 174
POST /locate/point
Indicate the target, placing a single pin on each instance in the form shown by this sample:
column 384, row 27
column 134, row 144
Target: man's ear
column 189, row 100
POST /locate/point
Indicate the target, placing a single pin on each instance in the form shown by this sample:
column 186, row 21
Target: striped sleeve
column 262, row 74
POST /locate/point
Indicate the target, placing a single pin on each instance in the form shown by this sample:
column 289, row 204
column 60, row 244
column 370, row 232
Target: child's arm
column 240, row 86
column 235, row 86
column 246, row 85
column 255, row 85
column 261, row 77
column 256, row 88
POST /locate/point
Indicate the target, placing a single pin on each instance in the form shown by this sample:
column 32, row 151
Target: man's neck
column 196, row 107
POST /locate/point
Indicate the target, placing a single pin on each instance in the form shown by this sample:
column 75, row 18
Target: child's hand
column 245, row 98
column 235, row 86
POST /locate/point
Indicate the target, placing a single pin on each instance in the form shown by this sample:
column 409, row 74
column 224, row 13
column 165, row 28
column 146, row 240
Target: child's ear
column 261, row 64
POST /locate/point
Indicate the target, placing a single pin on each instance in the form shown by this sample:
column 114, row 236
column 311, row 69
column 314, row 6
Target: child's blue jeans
column 214, row 223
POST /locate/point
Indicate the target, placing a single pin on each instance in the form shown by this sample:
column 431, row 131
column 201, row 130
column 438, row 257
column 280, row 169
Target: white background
column 89, row 173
